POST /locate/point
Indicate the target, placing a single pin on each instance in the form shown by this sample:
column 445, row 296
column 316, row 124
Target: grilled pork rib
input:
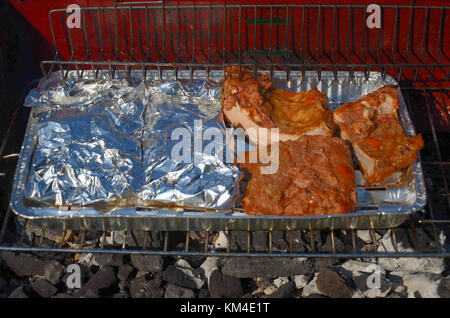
column 380, row 144
column 315, row 176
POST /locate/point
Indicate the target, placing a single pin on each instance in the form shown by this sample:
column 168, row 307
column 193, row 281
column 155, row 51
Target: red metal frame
column 37, row 13
column 332, row 44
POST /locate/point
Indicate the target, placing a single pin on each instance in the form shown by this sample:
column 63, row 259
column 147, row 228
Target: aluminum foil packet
column 102, row 140
column 176, row 166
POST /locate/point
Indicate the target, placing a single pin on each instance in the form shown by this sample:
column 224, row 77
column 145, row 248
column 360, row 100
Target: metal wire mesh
column 409, row 46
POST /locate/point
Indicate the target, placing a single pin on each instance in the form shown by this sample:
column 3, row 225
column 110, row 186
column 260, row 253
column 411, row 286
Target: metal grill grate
column 409, row 46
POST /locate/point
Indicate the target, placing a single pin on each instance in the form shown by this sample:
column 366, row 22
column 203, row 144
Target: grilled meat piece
column 302, row 113
column 250, row 102
column 380, row 144
column 242, row 98
column 314, row 177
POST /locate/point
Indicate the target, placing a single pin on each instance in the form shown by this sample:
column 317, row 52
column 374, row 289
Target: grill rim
column 442, row 87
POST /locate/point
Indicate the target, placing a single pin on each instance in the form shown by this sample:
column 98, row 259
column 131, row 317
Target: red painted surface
column 201, row 35
column 37, row 12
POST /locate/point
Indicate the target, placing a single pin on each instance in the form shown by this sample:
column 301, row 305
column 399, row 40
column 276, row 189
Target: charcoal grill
column 153, row 36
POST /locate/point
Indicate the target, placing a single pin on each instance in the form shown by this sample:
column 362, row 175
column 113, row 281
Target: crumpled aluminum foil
column 206, row 180
column 100, row 140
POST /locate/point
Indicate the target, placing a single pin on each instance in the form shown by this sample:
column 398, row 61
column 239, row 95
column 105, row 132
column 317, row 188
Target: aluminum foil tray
column 378, row 207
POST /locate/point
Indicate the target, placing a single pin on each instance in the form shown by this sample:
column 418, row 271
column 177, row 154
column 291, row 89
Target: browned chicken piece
column 250, row 102
column 302, row 113
column 380, row 144
column 315, row 176
column 242, row 98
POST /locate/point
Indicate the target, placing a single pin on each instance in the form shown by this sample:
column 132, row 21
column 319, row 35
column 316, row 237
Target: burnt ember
column 155, row 276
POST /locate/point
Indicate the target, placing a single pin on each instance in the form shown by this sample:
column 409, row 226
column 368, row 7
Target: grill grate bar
column 354, row 241
column 218, row 254
column 41, row 240
column 102, row 240
column 303, row 49
column 5, row 223
column 374, row 240
column 394, row 239
column 332, row 242
column 414, row 236
column 206, row 241
column 22, row 233
column 313, row 245
column 83, row 236
column 291, row 248
column 366, row 250
column 186, row 244
column 166, row 240
column 124, row 243
column 144, row 246
column 444, row 103
column 249, row 65
column 192, row 66
column 270, row 242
